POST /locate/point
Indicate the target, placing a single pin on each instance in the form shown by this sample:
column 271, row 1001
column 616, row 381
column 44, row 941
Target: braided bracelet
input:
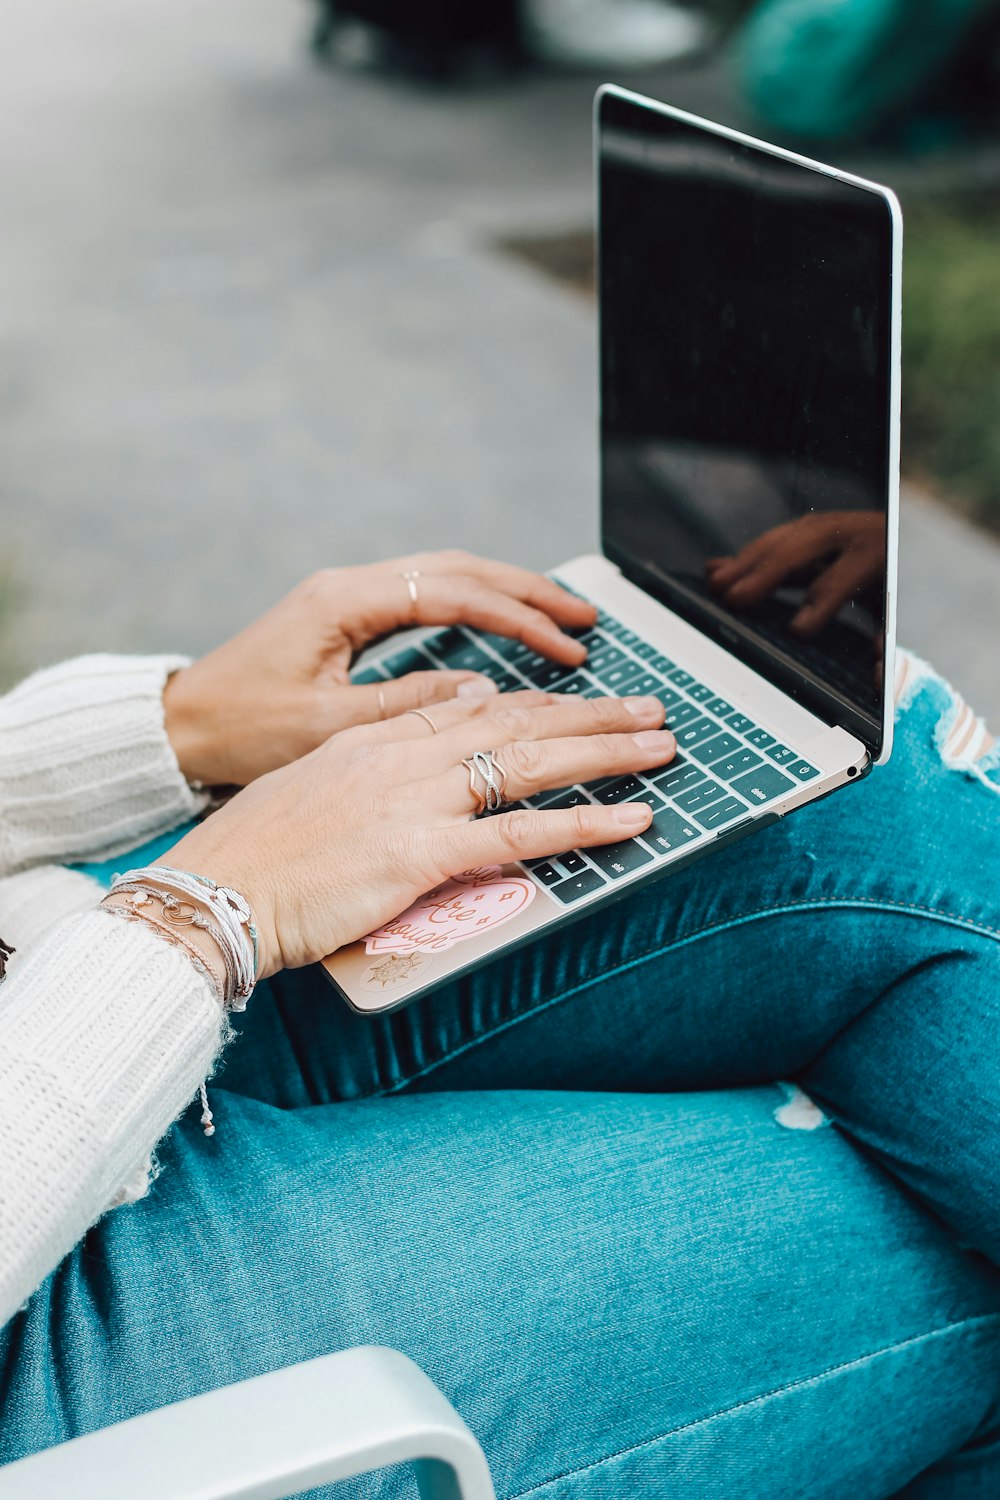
column 193, row 901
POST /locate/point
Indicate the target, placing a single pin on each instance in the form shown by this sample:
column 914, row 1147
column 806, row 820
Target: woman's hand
column 346, row 838
column 281, row 687
column 844, row 549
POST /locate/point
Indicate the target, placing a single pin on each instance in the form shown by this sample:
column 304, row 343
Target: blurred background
column 285, row 284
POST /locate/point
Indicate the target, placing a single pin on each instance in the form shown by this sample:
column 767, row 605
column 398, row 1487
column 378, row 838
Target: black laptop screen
column 745, row 395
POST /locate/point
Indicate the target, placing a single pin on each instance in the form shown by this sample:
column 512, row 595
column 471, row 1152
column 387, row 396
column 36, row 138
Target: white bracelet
column 232, row 924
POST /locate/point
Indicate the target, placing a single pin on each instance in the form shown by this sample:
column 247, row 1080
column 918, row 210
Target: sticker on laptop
column 465, row 906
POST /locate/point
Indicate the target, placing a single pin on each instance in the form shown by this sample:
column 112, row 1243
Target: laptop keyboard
column 725, row 763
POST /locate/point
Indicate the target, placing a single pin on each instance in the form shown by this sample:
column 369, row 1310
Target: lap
column 855, row 946
column 615, row 1290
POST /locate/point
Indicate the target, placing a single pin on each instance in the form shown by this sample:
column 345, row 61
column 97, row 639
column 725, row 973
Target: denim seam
column 976, row 1326
column 892, row 908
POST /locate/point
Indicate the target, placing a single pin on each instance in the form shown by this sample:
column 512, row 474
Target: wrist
column 186, row 718
column 221, row 860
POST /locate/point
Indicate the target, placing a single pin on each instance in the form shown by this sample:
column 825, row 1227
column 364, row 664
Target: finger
column 793, row 551
column 532, row 834
column 375, row 602
column 505, row 720
column 462, row 600
column 527, row 767
column 439, row 717
column 531, row 588
column 831, row 591
column 371, row 702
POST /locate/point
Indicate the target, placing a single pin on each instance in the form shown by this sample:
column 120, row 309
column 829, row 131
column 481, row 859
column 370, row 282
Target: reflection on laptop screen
column 745, row 382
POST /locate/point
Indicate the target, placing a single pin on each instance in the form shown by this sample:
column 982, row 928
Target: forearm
column 105, row 1034
column 86, row 767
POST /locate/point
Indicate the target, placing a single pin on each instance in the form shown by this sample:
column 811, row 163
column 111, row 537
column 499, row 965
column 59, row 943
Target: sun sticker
column 465, row 906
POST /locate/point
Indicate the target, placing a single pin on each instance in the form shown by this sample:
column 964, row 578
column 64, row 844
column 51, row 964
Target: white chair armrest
column 263, row 1439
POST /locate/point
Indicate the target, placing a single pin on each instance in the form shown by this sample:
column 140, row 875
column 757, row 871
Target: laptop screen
column 746, row 424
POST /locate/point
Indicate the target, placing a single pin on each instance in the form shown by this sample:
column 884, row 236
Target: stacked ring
column 484, row 766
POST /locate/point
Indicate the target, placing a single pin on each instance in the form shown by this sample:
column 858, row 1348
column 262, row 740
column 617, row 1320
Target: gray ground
column 254, row 319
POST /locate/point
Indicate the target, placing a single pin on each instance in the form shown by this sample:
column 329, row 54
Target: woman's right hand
column 346, row 838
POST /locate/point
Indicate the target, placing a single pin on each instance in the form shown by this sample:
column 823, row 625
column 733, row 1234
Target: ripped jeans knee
column 961, row 738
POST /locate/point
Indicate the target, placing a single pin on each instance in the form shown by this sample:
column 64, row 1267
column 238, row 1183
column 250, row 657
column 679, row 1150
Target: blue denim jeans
column 696, row 1199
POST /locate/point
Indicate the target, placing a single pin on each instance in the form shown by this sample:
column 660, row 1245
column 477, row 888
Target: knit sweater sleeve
column 105, row 1034
column 86, row 769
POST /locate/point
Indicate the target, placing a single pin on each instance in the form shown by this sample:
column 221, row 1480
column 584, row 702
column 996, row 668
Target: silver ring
column 483, row 765
column 410, row 579
column 426, row 718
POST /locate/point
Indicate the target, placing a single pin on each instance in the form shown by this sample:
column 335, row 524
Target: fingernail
column 630, row 814
column 476, row 687
column 640, row 707
column 654, row 739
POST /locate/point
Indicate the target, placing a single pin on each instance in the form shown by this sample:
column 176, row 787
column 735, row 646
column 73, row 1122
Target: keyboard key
column 760, row 738
column 682, row 678
column 507, row 682
column 604, row 657
column 621, row 790
column 651, row 798
column 699, row 692
column 410, row 660
column 561, row 800
column 442, row 645
column 661, row 663
column 547, row 674
column 628, row 637
column 721, row 813
column 802, row 770
column 573, row 862
column 593, row 641
column 781, row 754
column 740, row 723
column 468, row 658
column 680, row 714
column 645, row 650
column 669, row 831
column 763, row 784
column 641, row 687
column 713, row 750
column 367, row 674
column 596, row 692
column 545, row 873
column 678, row 777
column 577, row 886
column 693, row 734
column 720, row 707
column 621, row 859
column 736, row 765
column 578, row 684
column 668, row 697
column 700, row 796
column 618, row 676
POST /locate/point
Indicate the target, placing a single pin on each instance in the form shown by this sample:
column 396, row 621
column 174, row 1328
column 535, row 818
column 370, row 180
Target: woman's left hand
column 281, row 687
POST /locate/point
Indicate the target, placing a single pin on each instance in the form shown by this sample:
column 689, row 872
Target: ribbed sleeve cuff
column 86, row 769
column 105, row 1034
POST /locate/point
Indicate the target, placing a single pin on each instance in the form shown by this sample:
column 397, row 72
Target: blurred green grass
column 951, row 351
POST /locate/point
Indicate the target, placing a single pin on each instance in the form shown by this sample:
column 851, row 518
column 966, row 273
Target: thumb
column 384, row 700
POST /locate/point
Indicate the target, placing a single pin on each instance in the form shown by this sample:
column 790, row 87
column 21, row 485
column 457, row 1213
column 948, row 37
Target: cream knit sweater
column 105, row 1030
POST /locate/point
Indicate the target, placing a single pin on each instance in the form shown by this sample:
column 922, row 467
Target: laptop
column 750, row 318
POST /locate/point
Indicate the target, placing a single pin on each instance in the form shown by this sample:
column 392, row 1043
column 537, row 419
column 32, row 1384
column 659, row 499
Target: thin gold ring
column 410, row 579
column 426, row 718
column 381, row 703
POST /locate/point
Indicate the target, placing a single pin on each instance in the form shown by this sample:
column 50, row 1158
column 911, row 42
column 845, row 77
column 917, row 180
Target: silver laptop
column 750, row 318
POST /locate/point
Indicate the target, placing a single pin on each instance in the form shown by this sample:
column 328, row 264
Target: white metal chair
column 270, row 1437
